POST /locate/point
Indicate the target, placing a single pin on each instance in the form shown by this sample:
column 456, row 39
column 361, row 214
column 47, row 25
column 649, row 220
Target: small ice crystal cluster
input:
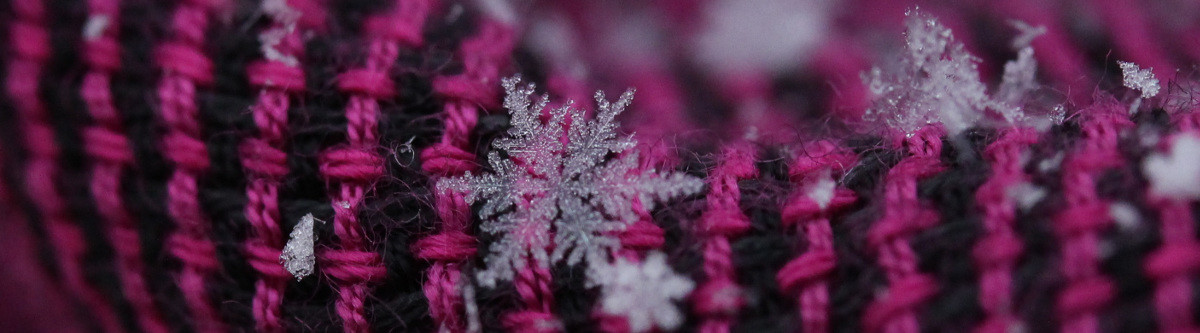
column 562, row 181
column 1142, row 80
column 299, row 257
column 645, row 294
column 937, row 81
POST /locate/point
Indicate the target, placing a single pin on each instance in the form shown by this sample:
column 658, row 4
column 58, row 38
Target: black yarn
column 855, row 277
column 573, row 300
column 226, row 121
column 1037, row 278
column 945, row 249
column 59, row 92
column 1132, row 309
column 135, row 96
column 764, row 249
column 15, row 157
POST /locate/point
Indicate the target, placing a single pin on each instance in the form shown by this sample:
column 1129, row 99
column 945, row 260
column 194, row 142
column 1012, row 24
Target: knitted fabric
column 157, row 158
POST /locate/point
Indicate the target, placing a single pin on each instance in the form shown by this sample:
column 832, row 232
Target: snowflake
column 298, row 256
column 937, row 81
column 566, row 181
column 645, row 294
column 1139, row 79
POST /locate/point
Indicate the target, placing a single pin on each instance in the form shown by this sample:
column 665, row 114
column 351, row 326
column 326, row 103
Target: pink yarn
column 1133, row 36
column 265, row 162
column 1173, row 264
column 997, row 252
column 31, row 50
column 903, row 216
column 351, row 264
column 807, row 275
column 185, row 66
column 106, row 143
column 718, row 299
column 1086, row 216
column 465, row 94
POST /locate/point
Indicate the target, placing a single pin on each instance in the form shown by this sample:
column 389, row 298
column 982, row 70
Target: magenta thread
column 807, row 276
column 718, row 299
column 106, row 143
column 465, row 95
column 1080, row 224
column 186, row 67
column 31, row 46
column 1172, row 264
column 351, row 264
column 904, row 215
column 997, row 251
column 1133, row 36
column 265, row 161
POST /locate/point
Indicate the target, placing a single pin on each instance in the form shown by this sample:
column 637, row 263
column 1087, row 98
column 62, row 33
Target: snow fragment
column 821, row 188
column 1176, row 174
column 1025, row 194
column 761, row 35
column 299, row 257
column 1125, row 215
column 95, row 26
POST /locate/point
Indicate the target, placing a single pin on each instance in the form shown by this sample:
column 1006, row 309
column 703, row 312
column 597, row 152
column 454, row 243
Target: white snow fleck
column 280, row 11
column 567, row 178
column 500, row 10
column 821, row 188
column 761, row 35
column 299, row 257
column 1139, row 79
column 1125, row 215
column 95, row 26
column 1025, row 194
column 284, row 18
column 1177, row 173
column 645, row 294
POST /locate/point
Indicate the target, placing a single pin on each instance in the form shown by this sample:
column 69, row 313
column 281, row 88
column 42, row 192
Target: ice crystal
column 1139, row 79
column 937, row 81
column 298, row 255
column 1020, row 75
column 560, row 181
column 645, row 294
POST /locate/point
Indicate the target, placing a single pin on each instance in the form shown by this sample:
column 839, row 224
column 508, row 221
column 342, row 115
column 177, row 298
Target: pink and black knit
column 160, row 157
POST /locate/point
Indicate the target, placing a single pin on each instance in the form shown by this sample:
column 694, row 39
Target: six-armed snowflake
column 561, row 181
column 645, row 294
